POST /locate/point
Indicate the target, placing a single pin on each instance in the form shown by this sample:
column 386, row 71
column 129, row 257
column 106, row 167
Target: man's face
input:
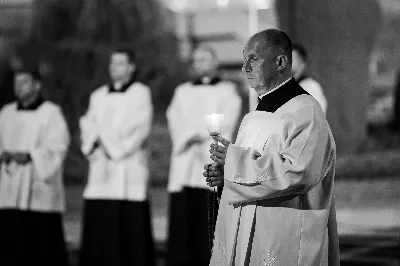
column 25, row 86
column 120, row 68
column 203, row 62
column 259, row 65
column 298, row 64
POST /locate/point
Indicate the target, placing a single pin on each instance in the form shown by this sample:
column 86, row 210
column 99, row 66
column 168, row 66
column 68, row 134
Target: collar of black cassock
column 213, row 81
column 124, row 87
column 33, row 106
column 271, row 102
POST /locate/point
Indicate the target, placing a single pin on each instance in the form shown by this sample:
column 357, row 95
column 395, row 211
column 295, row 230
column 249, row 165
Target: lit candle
column 214, row 124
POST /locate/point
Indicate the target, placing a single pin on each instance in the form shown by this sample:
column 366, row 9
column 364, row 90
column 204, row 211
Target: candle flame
column 214, row 123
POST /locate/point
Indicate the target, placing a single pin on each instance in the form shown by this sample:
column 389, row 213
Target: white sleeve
column 89, row 129
column 136, row 127
column 292, row 162
column 49, row 153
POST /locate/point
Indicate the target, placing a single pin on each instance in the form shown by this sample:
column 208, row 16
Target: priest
column 193, row 205
column 277, row 206
column 34, row 140
column 114, row 130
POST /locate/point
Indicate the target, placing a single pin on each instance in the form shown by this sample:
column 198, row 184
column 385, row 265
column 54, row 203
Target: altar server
column 34, row 140
column 193, row 208
column 114, row 130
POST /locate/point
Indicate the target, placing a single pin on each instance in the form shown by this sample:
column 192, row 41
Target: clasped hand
column 18, row 157
column 214, row 172
column 99, row 145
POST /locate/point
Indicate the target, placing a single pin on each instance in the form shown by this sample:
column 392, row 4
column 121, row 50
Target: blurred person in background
column 190, row 197
column 116, row 223
column 34, row 140
column 299, row 66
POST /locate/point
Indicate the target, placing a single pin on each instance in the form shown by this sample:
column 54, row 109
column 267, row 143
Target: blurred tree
column 72, row 41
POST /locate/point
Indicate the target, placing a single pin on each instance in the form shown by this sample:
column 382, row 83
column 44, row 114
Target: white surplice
column 43, row 134
column 121, row 121
column 186, row 120
column 278, row 192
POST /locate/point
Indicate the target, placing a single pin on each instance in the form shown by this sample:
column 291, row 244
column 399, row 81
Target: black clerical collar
column 274, row 89
column 32, row 106
column 201, row 81
column 124, row 87
column 272, row 101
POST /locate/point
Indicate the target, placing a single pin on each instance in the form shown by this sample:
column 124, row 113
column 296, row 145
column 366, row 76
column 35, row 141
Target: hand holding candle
column 214, row 126
column 215, row 172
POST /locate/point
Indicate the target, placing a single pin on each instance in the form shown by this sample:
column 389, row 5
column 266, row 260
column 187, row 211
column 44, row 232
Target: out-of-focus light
column 262, row 4
column 223, row 3
column 177, row 5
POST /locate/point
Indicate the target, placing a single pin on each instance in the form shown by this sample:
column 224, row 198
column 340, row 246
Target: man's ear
column 38, row 85
column 132, row 68
column 282, row 62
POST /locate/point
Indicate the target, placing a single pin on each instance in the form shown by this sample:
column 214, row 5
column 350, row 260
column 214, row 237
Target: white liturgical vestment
column 278, row 189
column 121, row 122
column 43, row 134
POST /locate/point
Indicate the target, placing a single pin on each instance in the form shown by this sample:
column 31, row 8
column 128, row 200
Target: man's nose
column 246, row 67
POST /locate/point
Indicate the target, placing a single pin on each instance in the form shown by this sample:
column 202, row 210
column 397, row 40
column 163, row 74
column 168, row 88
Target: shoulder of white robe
column 139, row 87
column 295, row 104
column 312, row 101
column 8, row 107
column 228, row 83
column 229, row 87
column 99, row 91
column 183, row 87
column 7, row 111
column 51, row 105
column 51, row 109
column 302, row 111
